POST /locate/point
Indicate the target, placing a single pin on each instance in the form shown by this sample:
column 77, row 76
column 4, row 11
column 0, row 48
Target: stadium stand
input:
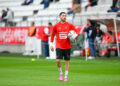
column 51, row 13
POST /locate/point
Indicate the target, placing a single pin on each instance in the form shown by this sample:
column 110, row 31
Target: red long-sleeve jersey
column 61, row 31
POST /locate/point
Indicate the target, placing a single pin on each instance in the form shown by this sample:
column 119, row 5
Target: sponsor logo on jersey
column 63, row 35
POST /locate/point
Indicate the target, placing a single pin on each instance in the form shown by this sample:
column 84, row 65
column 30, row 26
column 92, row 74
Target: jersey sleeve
column 53, row 33
column 73, row 28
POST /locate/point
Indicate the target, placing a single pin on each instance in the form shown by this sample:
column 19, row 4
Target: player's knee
column 58, row 60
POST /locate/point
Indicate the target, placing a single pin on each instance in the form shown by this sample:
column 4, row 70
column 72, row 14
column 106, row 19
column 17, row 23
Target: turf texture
column 18, row 70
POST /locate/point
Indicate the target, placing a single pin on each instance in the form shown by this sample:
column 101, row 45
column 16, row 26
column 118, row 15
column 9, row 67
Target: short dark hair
column 33, row 22
column 98, row 25
column 91, row 22
column 62, row 13
column 8, row 9
column 110, row 32
column 50, row 23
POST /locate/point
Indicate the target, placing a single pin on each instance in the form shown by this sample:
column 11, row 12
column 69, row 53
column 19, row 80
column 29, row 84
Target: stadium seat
column 51, row 13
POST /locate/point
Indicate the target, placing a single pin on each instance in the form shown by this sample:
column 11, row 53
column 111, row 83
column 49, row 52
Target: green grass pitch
column 18, row 70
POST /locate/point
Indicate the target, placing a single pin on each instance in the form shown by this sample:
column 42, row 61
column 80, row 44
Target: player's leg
column 66, row 69
column 92, row 48
column 59, row 57
column 26, row 46
column 46, row 47
column 59, row 66
column 34, row 43
column 67, row 58
column 60, row 69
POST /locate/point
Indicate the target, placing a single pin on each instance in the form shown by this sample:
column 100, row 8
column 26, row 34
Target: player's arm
column 52, row 38
column 73, row 28
column 48, row 34
column 86, row 29
column 46, row 30
column 34, row 32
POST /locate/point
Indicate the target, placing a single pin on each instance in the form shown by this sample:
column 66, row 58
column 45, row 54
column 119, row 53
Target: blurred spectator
column 117, row 8
column 91, row 34
column 56, row 0
column 118, row 15
column 46, row 3
column 4, row 14
column 27, row 2
column 42, row 2
column 111, row 39
column 76, row 7
column 45, row 38
column 104, row 44
column 30, row 42
column 9, row 18
column 114, row 4
column 91, row 4
column 111, row 43
column 98, row 40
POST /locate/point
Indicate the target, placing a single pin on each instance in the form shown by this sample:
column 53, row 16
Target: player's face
column 49, row 26
column 32, row 24
column 98, row 28
column 63, row 17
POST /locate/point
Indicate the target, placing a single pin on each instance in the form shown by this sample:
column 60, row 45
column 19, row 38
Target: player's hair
column 98, row 25
column 8, row 9
column 110, row 32
column 61, row 13
column 91, row 22
column 33, row 22
column 50, row 23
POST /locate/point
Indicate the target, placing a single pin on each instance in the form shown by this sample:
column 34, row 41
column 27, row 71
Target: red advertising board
column 17, row 35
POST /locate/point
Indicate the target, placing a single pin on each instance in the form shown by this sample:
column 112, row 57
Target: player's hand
column 52, row 48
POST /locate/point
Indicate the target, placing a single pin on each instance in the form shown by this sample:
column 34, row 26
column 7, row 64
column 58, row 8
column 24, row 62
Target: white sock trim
column 60, row 70
column 66, row 73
